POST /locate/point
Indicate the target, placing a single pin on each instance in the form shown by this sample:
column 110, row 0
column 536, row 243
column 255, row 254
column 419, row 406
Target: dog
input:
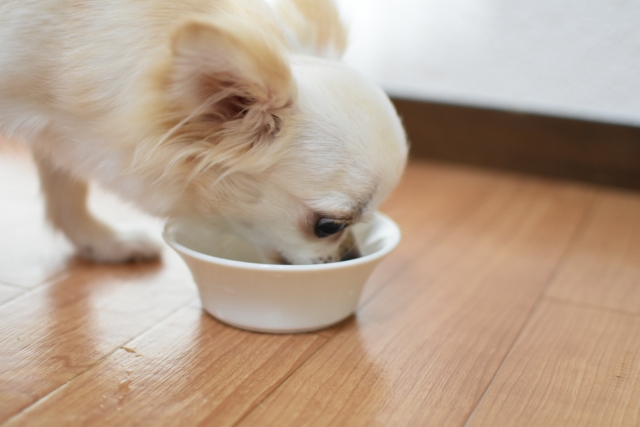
column 215, row 108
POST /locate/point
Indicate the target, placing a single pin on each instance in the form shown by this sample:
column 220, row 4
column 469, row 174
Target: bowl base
column 258, row 329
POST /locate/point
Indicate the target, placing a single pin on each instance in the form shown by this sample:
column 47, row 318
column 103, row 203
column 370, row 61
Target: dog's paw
column 120, row 247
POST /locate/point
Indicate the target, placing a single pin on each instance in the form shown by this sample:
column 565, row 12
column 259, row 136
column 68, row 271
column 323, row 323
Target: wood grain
column 428, row 202
column 108, row 345
column 188, row 370
column 572, row 366
column 425, row 348
column 604, row 267
column 53, row 333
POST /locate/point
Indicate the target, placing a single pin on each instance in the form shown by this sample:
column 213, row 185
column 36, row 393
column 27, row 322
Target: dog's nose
column 349, row 248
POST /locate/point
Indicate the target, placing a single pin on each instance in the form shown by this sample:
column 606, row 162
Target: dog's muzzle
column 347, row 250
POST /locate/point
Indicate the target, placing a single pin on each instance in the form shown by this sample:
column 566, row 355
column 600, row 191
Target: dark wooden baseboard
column 551, row 146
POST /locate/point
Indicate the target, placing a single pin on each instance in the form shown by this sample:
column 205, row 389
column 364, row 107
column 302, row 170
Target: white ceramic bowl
column 238, row 290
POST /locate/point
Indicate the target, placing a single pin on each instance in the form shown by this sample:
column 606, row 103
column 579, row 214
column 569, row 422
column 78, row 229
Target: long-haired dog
column 216, row 108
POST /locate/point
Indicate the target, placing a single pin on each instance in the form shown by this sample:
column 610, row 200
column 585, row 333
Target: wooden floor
column 511, row 301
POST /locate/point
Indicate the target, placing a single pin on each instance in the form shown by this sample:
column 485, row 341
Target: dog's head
column 290, row 149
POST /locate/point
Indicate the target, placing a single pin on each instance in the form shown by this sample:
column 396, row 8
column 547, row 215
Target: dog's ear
column 315, row 26
column 233, row 76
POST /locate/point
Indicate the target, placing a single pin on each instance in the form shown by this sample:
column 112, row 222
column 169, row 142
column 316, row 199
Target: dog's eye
column 327, row 227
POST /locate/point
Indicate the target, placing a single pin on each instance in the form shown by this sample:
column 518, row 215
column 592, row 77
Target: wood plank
column 604, row 267
column 572, row 366
column 423, row 351
column 53, row 333
column 188, row 370
column 429, row 200
column 8, row 292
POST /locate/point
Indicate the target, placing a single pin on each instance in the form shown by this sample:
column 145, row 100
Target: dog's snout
column 347, row 250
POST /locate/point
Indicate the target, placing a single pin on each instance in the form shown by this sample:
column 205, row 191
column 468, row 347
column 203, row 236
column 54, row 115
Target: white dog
column 198, row 107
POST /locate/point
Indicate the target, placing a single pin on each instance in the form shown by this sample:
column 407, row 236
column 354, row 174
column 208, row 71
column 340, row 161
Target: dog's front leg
column 66, row 207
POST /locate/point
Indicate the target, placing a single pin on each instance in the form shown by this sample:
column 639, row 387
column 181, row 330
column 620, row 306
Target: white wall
column 577, row 58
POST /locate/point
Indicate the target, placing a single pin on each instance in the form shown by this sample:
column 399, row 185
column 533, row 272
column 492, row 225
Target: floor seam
column 17, row 287
column 97, row 362
column 584, row 305
column 28, row 291
column 437, row 238
column 585, row 220
column 250, row 411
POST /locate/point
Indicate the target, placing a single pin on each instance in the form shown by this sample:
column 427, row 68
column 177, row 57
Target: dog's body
column 197, row 107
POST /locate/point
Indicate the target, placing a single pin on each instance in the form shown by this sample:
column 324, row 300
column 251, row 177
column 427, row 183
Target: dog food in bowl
column 238, row 289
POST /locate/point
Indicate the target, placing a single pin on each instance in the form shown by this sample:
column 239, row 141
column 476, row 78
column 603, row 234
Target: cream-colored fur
column 197, row 107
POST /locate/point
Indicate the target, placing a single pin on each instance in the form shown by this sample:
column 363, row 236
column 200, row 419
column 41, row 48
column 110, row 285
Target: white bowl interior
column 216, row 239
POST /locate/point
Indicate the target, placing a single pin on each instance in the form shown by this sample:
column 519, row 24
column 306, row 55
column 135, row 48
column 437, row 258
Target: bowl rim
column 392, row 243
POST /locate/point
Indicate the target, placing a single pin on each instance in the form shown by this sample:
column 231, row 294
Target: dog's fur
column 197, row 107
